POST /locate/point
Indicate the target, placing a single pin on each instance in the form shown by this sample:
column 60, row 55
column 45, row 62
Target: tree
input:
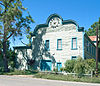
column 12, row 23
column 10, row 56
column 92, row 31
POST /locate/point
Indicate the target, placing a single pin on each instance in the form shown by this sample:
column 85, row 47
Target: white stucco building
column 53, row 43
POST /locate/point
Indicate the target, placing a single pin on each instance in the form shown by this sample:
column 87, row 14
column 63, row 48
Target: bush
column 69, row 65
column 1, row 69
column 90, row 65
column 55, row 70
column 62, row 69
column 79, row 67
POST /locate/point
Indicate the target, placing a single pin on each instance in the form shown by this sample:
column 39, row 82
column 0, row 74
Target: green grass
column 20, row 72
column 67, row 78
column 53, row 76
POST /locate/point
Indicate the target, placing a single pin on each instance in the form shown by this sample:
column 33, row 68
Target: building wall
column 23, row 55
column 64, row 32
column 89, row 48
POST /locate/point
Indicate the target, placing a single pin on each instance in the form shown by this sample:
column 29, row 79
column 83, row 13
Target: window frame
column 72, row 43
column 73, row 58
column 48, row 45
column 57, row 44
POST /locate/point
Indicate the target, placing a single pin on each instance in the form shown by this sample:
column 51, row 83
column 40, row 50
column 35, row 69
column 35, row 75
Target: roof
column 22, row 47
column 93, row 38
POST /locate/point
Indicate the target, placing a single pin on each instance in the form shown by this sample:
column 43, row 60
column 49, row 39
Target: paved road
column 28, row 81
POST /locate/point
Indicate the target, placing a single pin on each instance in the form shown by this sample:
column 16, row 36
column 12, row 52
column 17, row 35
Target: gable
column 56, row 23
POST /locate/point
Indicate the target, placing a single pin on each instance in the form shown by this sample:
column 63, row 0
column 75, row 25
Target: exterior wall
column 64, row 32
column 89, row 48
column 23, row 55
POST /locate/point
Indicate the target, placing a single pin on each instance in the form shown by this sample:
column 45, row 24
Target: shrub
column 69, row 65
column 79, row 67
column 90, row 65
column 62, row 69
column 55, row 70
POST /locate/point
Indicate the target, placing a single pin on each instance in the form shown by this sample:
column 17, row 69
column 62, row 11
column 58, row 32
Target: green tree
column 12, row 23
column 92, row 31
column 10, row 56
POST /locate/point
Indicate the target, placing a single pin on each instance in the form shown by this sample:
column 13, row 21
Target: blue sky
column 84, row 12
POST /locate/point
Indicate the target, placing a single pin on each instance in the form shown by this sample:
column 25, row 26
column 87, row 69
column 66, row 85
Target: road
column 29, row 81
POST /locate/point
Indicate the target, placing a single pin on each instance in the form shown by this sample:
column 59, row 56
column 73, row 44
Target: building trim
column 22, row 47
column 80, row 29
column 83, row 44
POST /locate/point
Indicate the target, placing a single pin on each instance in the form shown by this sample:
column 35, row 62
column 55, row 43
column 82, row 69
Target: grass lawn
column 54, row 76
column 67, row 77
column 20, row 72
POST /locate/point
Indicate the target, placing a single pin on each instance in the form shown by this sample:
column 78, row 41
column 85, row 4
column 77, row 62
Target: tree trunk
column 5, row 58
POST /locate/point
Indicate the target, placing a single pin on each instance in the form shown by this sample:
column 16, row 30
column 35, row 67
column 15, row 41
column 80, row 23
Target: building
column 53, row 43
column 93, row 39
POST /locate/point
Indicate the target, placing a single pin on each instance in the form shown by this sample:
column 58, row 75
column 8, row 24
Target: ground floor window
column 74, row 57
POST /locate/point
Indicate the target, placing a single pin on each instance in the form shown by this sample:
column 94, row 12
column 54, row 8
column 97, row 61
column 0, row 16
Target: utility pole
column 97, row 51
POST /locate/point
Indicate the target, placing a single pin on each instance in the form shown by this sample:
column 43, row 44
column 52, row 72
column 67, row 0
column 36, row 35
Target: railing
column 64, row 73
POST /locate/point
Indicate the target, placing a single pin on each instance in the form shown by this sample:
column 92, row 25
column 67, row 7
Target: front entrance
column 59, row 65
column 46, row 65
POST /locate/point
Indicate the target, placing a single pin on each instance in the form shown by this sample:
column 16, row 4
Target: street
column 29, row 81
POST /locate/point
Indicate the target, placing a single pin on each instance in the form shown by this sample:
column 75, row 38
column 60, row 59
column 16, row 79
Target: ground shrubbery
column 67, row 77
column 20, row 72
column 81, row 66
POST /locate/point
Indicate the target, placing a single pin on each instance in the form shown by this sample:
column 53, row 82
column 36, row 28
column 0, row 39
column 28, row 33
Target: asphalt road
column 29, row 81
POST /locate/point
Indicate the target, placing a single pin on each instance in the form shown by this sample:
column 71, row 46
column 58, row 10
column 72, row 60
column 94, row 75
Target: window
column 87, row 46
column 73, row 57
column 74, row 43
column 90, row 48
column 59, row 44
column 47, row 43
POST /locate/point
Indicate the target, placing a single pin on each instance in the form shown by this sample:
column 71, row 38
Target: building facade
column 55, row 42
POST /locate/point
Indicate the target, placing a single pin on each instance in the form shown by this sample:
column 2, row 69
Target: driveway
column 29, row 81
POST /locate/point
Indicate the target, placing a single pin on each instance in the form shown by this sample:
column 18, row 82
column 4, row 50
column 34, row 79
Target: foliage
column 12, row 19
column 10, row 57
column 13, row 23
column 62, row 69
column 69, row 65
column 92, row 31
column 90, row 65
column 67, row 78
column 55, row 70
column 79, row 67
column 20, row 72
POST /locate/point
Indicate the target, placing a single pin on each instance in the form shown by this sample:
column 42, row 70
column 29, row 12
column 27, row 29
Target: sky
column 84, row 12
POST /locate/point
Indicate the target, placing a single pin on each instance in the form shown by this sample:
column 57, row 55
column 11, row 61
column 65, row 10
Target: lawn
column 54, row 76
column 67, row 77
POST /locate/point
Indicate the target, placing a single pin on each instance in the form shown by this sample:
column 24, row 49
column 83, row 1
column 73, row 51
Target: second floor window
column 47, row 43
column 74, row 43
column 59, row 44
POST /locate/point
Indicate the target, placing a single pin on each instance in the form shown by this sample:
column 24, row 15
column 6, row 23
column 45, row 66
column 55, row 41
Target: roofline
column 63, row 23
column 22, row 47
column 89, row 39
